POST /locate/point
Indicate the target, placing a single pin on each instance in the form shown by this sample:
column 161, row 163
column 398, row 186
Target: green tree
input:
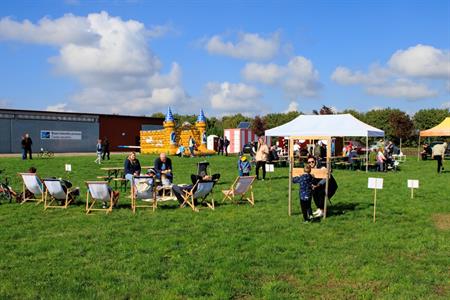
column 359, row 115
column 258, row 126
column 234, row 120
column 428, row 118
column 402, row 125
column 158, row 115
column 277, row 119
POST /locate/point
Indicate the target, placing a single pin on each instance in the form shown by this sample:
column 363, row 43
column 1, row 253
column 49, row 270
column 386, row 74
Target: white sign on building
column 60, row 135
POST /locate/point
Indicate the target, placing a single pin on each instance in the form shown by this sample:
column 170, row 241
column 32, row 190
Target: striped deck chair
column 32, row 183
column 241, row 189
column 200, row 191
column 99, row 191
column 142, row 189
column 54, row 191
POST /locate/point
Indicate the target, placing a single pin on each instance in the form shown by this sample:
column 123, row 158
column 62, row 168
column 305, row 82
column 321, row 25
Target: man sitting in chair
column 179, row 189
column 163, row 168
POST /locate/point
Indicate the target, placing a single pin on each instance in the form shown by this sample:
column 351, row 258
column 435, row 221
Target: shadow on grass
column 338, row 209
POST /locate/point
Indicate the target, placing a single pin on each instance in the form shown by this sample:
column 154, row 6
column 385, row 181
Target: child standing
column 244, row 166
column 98, row 160
column 305, row 192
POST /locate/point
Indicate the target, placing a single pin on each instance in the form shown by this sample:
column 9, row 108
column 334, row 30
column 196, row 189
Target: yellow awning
column 443, row 129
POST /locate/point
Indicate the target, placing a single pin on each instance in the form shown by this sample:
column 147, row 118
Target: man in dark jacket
column 105, row 148
column 163, row 166
column 27, row 146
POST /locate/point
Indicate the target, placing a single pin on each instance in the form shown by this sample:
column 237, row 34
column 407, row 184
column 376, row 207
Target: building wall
column 5, row 135
column 124, row 130
column 89, row 135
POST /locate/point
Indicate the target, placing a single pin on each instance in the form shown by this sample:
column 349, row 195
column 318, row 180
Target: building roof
column 244, row 125
column 30, row 114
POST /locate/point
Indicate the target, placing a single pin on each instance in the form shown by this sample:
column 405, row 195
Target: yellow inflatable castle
column 172, row 139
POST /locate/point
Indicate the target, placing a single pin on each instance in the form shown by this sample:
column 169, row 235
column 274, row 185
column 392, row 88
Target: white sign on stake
column 270, row 168
column 68, row 168
column 375, row 183
column 413, row 184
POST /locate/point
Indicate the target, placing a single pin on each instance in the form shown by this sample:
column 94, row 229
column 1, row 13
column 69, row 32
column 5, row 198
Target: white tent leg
column 367, row 153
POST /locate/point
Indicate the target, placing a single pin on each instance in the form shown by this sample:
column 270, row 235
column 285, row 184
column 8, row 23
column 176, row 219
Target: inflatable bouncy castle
column 173, row 138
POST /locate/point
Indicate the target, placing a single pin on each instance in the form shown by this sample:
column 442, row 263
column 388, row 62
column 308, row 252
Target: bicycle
column 5, row 190
column 45, row 154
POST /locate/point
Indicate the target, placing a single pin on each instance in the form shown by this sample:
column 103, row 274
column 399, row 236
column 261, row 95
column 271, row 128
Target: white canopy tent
column 326, row 125
column 322, row 127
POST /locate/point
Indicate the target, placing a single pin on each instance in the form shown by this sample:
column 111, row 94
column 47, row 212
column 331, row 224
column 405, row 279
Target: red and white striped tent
column 238, row 137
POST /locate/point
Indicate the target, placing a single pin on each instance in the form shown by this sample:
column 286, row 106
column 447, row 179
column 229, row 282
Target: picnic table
column 116, row 174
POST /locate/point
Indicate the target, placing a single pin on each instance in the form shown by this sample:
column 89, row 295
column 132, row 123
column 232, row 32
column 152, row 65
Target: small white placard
column 68, row 168
column 270, row 168
column 413, row 184
column 375, row 183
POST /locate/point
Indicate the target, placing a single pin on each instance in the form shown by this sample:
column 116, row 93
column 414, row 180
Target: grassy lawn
column 236, row 251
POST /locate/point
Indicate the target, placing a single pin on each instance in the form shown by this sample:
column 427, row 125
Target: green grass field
column 236, row 251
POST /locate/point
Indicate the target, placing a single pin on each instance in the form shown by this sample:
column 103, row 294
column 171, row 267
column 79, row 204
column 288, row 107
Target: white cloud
column 446, row 105
column 230, row 98
column 297, row 78
column 402, row 88
column 4, row 103
column 421, row 61
column 250, row 46
column 57, row 107
column 406, row 75
column 293, row 106
column 345, row 76
column 111, row 59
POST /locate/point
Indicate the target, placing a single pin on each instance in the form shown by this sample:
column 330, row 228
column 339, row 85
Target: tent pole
column 290, row 176
column 328, row 176
column 418, row 149
column 367, row 153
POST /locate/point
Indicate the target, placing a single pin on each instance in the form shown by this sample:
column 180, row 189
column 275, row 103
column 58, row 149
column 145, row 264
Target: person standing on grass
column 24, row 152
column 438, row 153
column 380, row 160
column 98, row 160
column 226, row 143
column 105, row 149
column 191, row 145
column 261, row 157
column 244, row 166
column 220, row 146
column 305, row 193
column 27, row 146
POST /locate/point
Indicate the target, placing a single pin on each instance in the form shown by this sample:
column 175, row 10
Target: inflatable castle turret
column 172, row 137
column 169, row 128
column 201, row 127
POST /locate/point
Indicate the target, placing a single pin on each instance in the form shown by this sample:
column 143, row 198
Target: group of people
column 312, row 188
column 162, row 173
column 222, row 145
column 102, row 150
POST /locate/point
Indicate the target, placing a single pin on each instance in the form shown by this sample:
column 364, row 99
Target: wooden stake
column 412, row 193
column 374, row 205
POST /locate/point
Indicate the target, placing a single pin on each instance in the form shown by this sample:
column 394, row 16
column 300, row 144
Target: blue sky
column 254, row 57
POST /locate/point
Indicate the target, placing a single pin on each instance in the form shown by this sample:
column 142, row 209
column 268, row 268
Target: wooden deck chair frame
column 49, row 199
column 188, row 196
column 24, row 188
column 231, row 193
column 90, row 207
column 134, row 199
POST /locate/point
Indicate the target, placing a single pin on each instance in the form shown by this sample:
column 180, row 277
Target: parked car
column 358, row 146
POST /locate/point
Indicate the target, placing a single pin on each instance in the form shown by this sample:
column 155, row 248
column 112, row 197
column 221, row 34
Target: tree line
column 397, row 125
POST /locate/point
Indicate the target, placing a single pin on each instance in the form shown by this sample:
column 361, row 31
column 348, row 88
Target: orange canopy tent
column 442, row 129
